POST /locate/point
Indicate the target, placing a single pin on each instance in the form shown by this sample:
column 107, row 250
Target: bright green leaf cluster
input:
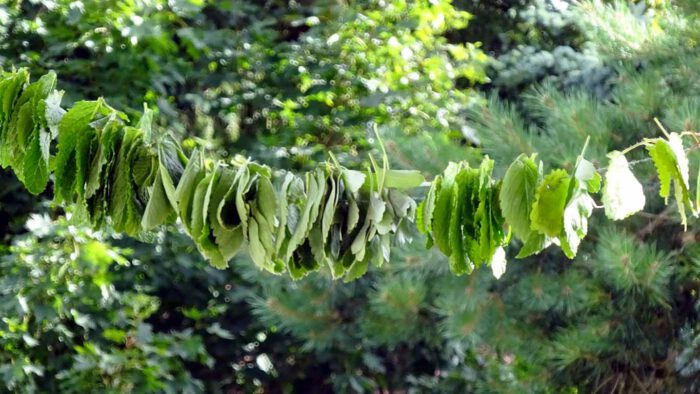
column 545, row 209
column 24, row 132
column 461, row 215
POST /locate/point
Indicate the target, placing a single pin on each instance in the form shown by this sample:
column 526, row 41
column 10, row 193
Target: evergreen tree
column 621, row 317
column 611, row 320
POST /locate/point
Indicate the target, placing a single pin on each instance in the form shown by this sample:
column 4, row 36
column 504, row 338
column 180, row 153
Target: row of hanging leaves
column 135, row 178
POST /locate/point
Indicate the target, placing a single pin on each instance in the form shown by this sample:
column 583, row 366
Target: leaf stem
column 633, row 147
column 585, row 146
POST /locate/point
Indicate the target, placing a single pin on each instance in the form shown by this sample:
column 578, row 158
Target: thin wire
column 635, row 162
column 692, row 148
column 601, row 170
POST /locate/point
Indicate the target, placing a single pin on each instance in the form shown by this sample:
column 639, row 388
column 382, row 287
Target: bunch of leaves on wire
column 343, row 218
column 555, row 208
column 134, row 180
column 623, row 194
column 461, row 215
column 465, row 210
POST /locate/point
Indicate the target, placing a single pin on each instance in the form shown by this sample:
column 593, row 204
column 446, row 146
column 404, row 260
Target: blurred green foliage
column 281, row 82
column 67, row 328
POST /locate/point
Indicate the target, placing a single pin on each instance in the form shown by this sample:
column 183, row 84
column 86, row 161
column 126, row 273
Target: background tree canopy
column 286, row 82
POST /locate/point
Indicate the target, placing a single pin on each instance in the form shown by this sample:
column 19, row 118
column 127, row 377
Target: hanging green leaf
column 489, row 220
column 329, row 207
column 201, row 223
column 158, row 210
column 671, row 165
column 123, row 211
column 265, row 236
column 315, row 188
column 547, row 215
column 193, row 174
column 172, row 160
column 359, row 267
column 102, row 172
column 32, row 164
column 266, row 200
column 74, row 138
column 200, row 206
column 443, row 209
column 281, row 238
column 579, row 205
column 255, row 246
column 244, row 183
column 11, row 89
column 534, row 244
column 402, row 179
column 224, row 222
column 459, row 260
column 518, row 194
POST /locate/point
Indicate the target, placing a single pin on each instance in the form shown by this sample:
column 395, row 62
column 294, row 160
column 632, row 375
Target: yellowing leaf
column 672, row 168
column 498, row 263
column 623, row 195
column 576, row 214
column 587, row 174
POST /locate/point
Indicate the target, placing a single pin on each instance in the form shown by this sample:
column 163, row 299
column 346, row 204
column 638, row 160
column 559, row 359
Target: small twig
column 663, row 130
column 334, row 159
column 603, row 383
column 693, row 134
column 617, row 382
column 652, row 225
column 639, row 382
